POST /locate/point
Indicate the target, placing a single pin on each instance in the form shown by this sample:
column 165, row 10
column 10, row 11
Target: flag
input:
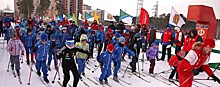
column 144, row 17
column 64, row 16
column 69, row 17
column 81, row 17
column 108, row 17
column 175, row 18
column 89, row 17
column 74, row 18
column 96, row 16
column 126, row 18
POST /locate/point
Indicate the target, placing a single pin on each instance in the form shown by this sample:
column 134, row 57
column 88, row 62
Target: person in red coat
column 174, row 62
column 178, row 41
column 30, row 23
column 85, row 24
column 94, row 25
column 127, row 38
column 196, row 58
column 109, row 35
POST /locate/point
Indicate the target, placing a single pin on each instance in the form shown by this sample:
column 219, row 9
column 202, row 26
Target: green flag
column 87, row 15
column 74, row 18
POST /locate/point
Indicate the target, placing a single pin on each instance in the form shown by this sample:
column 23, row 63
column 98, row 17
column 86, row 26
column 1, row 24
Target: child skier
column 120, row 49
column 54, row 45
column 81, row 57
column 91, row 41
column 14, row 47
column 109, row 35
column 42, row 48
column 115, row 40
column 100, row 35
column 174, row 61
column 29, row 41
column 62, row 37
column 105, row 60
column 127, row 38
column 151, row 54
column 67, row 54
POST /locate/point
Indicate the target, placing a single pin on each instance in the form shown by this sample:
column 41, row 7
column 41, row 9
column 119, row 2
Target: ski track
column 7, row 79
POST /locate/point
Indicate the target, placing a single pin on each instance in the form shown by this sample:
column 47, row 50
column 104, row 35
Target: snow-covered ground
column 7, row 79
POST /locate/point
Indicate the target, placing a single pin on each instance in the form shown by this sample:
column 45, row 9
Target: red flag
column 144, row 17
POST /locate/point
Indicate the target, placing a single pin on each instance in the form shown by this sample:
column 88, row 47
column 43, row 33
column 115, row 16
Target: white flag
column 108, row 17
column 81, row 17
column 175, row 18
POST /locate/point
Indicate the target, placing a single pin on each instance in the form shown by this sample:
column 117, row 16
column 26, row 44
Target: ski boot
column 106, row 80
column 48, row 67
column 101, row 82
column 28, row 62
column 115, row 79
column 38, row 73
column 83, row 74
column 46, row 80
column 18, row 72
column 12, row 66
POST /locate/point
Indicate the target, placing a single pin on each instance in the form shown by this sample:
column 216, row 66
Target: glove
column 148, row 58
column 101, row 64
column 115, row 64
column 195, row 72
column 215, row 78
column 22, row 52
column 53, row 44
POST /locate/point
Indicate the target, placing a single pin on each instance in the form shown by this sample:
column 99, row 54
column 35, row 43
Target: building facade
column 86, row 7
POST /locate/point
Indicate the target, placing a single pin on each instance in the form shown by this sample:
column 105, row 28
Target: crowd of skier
column 66, row 43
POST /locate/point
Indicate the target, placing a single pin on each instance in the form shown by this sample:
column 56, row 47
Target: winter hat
column 43, row 37
column 52, row 36
column 70, row 41
column 132, row 27
column 181, row 53
column 110, row 47
column 127, row 30
column 121, row 39
column 151, row 27
column 209, row 43
column 89, row 31
column 156, row 42
column 169, row 25
column 177, row 28
column 64, row 28
column 17, row 26
column 13, row 35
column 110, row 30
column 83, row 37
column 138, row 35
column 102, row 28
column 117, row 35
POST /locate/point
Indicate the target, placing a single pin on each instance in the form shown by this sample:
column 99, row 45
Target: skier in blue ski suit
column 120, row 49
column 73, row 27
column 7, row 27
column 29, row 40
column 91, row 41
column 115, row 40
column 62, row 37
column 42, row 49
column 54, row 45
column 100, row 38
column 105, row 59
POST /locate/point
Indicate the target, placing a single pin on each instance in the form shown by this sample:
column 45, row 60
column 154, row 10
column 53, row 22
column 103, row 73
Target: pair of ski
column 107, row 84
column 156, row 77
column 62, row 85
column 19, row 78
column 42, row 80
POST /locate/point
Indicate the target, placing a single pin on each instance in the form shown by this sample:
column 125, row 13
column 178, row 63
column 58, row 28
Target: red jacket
column 167, row 36
column 174, row 61
column 30, row 24
column 94, row 26
column 149, row 35
column 188, row 42
column 127, row 37
column 194, row 60
column 85, row 25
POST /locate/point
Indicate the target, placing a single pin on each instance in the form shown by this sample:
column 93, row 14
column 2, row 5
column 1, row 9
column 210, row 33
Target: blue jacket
column 91, row 39
column 28, row 40
column 73, row 28
column 100, row 36
column 106, row 58
column 41, row 51
column 52, row 48
column 53, row 23
column 7, row 21
column 62, row 38
column 114, row 41
column 118, row 51
column 152, row 52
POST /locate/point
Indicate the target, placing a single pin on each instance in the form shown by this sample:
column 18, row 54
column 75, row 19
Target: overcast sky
column 113, row 6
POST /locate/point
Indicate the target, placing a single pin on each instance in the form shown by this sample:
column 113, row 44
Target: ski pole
column 125, row 71
column 29, row 80
column 143, row 61
column 8, row 65
column 57, row 72
column 203, row 79
column 215, row 69
column 186, row 80
column 95, row 69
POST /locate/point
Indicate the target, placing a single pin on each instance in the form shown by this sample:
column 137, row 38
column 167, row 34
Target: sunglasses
column 69, row 43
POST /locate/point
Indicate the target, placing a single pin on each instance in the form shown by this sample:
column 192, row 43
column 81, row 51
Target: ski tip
column 52, row 81
column 28, row 83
